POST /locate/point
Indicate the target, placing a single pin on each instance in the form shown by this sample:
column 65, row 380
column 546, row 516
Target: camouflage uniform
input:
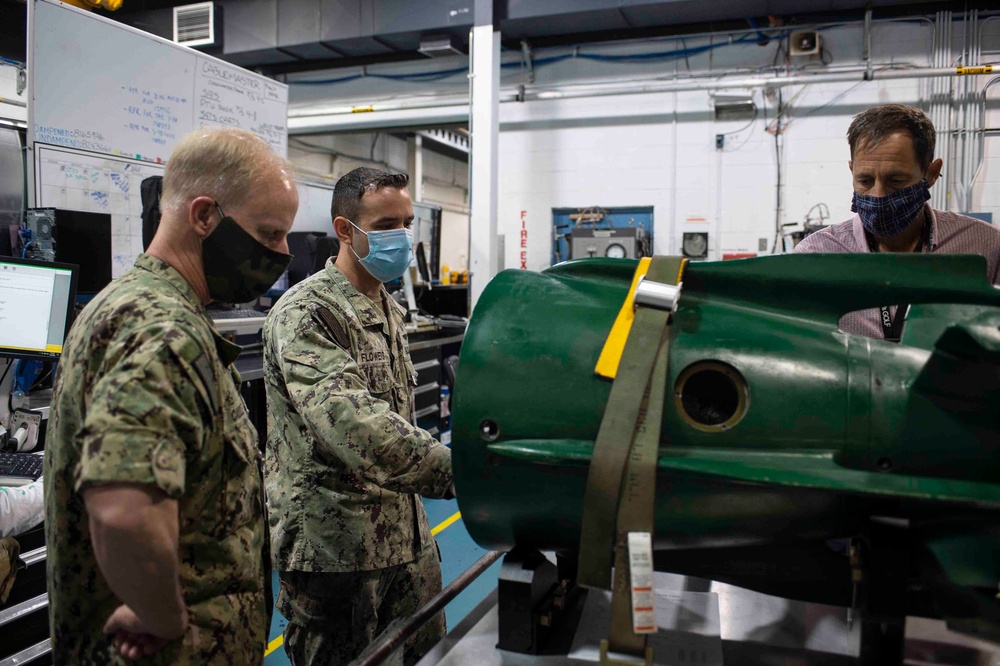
column 343, row 469
column 147, row 394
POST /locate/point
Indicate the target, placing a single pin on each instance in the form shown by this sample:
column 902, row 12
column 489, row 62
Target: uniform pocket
column 379, row 377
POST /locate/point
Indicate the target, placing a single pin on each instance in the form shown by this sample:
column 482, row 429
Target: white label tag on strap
column 640, row 565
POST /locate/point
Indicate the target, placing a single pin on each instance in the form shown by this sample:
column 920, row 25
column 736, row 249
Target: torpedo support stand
column 537, row 601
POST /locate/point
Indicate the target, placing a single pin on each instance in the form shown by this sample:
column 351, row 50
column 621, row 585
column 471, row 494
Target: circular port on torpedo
column 711, row 396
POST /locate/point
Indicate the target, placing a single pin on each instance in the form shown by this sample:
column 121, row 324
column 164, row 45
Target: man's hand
column 132, row 638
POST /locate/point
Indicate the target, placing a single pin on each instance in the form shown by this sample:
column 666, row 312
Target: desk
column 251, row 366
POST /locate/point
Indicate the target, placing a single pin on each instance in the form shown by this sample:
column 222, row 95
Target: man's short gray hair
column 871, row 127
column 224, row 164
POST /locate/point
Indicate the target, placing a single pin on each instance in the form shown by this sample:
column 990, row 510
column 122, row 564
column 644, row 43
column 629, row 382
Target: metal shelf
column 426, row 388
column 426, row 365
column 23, row 609
column 427, row 411
column 28, row 654
column 34, row 556
column 436, row 342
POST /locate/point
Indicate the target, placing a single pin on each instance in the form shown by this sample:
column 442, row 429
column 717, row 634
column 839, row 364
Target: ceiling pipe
column 753, row 82
column 455, row 108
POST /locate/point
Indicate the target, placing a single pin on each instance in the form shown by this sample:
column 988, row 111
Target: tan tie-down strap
column 627, row 445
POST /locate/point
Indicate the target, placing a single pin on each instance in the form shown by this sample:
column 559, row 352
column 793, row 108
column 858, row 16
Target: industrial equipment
column 615, row 233
column 790, row 458
column 694, row 245
column 619, row 243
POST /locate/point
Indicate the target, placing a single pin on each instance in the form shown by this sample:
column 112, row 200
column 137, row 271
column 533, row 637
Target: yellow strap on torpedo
column 607, row 364
column 611, row 355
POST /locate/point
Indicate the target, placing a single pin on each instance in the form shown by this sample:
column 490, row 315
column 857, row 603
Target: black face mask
column 237, row 267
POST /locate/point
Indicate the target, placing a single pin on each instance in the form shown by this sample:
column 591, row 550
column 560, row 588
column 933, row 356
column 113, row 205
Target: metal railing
column 401, row 629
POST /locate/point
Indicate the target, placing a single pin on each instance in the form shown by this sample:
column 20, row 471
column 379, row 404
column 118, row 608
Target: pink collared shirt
column 950, row 233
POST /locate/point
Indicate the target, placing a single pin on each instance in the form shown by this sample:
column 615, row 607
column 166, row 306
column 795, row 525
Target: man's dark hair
column 352, row 186
column 870, row 127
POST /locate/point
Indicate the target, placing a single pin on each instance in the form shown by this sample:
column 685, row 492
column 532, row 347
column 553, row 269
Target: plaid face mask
column 888, row 216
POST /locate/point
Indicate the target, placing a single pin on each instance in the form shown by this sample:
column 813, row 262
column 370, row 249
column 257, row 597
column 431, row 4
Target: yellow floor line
column 448, row 522
column 274, row 645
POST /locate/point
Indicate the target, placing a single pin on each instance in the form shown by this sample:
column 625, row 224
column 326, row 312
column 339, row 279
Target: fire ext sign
column 524, row 240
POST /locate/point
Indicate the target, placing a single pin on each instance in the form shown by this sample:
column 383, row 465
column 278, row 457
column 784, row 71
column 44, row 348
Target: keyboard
column 234, row 314
column 240, row 322
column 19, row 468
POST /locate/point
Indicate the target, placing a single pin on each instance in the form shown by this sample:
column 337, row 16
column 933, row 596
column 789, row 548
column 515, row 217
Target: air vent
column 194, row 25
column 437, row 47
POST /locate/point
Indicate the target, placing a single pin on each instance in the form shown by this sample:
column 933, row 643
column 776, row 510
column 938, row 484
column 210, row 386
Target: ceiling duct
column 286, row 36
column 437, row 47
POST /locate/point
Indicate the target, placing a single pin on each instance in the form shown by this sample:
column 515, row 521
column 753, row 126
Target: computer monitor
column 302, row 246
column 36, row 307
column 84, row 239
column 73, row 237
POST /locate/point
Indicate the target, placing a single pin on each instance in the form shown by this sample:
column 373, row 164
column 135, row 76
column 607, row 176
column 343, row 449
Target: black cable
column 10, row 394
column 10, row 364
column 41, row 379
column 832, row 101
column 777, row 52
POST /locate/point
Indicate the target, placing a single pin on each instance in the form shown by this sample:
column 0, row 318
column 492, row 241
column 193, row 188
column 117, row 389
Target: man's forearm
column 136, row 549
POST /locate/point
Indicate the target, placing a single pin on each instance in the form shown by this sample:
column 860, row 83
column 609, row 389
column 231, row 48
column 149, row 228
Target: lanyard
column 892, row 327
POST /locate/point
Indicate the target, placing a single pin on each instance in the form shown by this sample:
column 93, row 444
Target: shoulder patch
column 203, row 368
column 326, row 319
column 191, row 351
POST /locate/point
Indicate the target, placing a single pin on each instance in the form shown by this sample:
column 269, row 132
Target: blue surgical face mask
column 885, row 217
column 389, row 252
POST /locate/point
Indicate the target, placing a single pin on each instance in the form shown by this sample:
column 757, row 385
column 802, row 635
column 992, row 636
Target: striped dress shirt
column 950, row 233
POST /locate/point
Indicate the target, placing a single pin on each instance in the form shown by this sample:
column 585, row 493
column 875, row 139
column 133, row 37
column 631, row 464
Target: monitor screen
column 36, row 307
column 84, row 239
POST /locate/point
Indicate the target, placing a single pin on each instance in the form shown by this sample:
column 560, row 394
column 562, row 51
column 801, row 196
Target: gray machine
column 621, row 243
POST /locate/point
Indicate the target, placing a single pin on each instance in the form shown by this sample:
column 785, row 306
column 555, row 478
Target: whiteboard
column 314, row 208
column 228, row 96
column 74, row 180
column 104, row 87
